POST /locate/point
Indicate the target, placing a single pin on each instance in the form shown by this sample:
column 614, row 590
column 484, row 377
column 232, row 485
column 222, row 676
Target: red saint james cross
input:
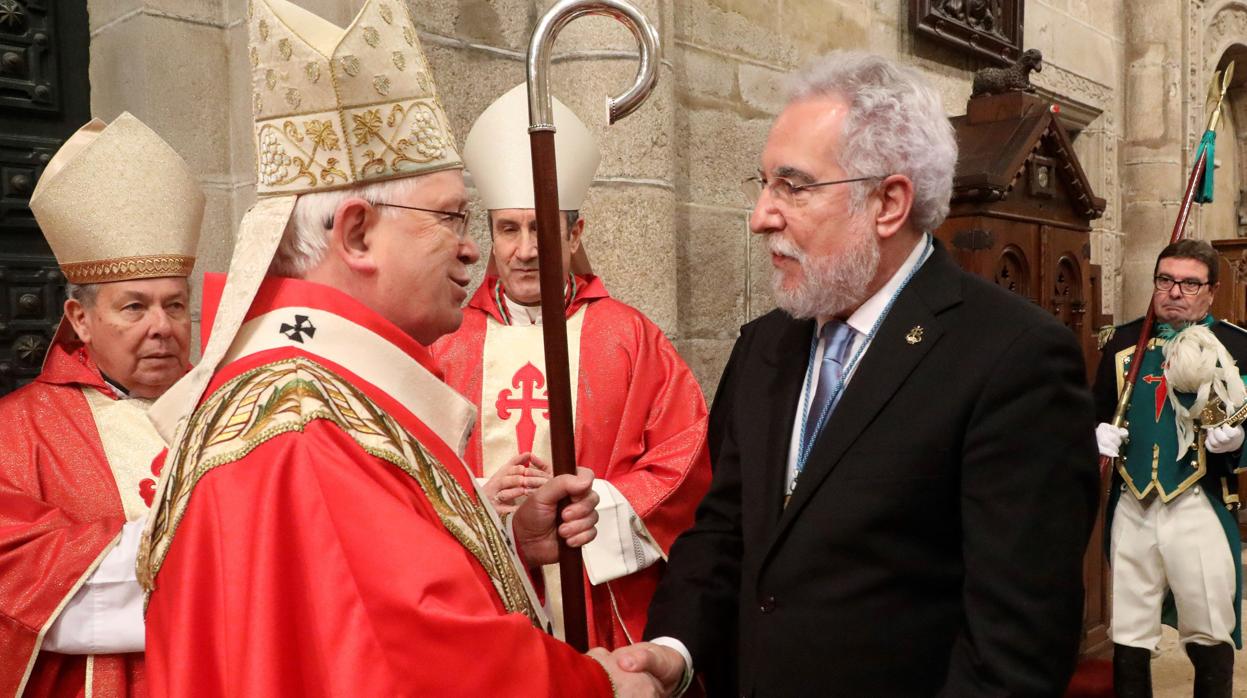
column 1161, row 385
column 528, row 380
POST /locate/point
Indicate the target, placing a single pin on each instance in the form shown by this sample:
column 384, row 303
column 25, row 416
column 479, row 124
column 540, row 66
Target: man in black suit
column 926, row 538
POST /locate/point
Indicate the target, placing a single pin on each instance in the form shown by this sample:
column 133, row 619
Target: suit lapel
column 887, row 363
column 787, row 363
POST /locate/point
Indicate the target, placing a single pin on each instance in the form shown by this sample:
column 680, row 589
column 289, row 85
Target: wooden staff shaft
column 1145, row 332
column 558, row 378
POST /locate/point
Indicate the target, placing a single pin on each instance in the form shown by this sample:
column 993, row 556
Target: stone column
column 168, row 63
column 1153, row 160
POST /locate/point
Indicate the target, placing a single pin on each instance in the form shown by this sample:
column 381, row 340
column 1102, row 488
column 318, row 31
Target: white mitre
column 498, row 154
column 117, row 203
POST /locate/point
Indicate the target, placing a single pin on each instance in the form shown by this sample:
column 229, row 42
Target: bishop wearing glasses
column 315, row 532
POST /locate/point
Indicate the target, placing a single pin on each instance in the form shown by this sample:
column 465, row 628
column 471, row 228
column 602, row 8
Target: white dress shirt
column 105, row 615
column 862, row 320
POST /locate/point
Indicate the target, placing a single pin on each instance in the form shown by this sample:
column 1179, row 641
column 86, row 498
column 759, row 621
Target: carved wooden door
column 44, row 97
column 1003, row 251
column 1066, row 281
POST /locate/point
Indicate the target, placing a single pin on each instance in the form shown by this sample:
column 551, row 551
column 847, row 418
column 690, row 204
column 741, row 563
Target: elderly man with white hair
column 317, row 533
column 904, row 466
column 122, row 212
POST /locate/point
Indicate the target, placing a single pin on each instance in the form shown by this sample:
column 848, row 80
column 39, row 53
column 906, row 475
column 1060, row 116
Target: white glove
column 1109, row 439
column 1224, row 439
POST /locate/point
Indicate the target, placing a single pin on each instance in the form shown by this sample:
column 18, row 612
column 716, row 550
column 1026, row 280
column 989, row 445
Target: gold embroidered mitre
column 117, row 203
column 336, row 107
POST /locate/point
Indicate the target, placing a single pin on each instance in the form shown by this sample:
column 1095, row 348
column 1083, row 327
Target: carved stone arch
column 1224, row 24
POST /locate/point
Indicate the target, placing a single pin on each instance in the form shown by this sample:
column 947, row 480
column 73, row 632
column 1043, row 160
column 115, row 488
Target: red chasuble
column 59, row 512
column 640, row 421
column 325, row 539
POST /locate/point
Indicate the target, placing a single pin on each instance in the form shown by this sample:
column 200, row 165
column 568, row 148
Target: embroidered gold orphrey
column 285, row 396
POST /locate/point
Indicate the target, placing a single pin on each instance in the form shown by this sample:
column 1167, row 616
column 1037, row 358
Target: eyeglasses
column 457, row 221
column 785, row 191
column 1189, row 287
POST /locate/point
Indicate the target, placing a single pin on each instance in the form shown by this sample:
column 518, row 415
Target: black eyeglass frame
column 463, row 216
column 759, row 183
column 1164, row 284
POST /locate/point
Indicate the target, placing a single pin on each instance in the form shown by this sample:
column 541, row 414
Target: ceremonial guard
column 640, row 419
column 1173, row 537
column 317, row 532
column 122, row 213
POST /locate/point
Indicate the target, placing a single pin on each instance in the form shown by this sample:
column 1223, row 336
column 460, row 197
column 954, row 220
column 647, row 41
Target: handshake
column 644, row 670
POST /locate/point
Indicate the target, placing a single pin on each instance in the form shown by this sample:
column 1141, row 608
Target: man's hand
column 663, row 663
column 1224, row 439
column 1109, row 439
column 518, row 477
column 628, row 684
column 534, row 523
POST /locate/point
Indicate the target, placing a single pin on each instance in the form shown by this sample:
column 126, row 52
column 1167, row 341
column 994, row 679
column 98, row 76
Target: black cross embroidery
column 300, row 327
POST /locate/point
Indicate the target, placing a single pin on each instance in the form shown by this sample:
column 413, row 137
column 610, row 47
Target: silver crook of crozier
column 540, row 110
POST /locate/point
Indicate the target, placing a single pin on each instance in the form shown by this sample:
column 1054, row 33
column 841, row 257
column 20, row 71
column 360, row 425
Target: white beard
column 830, row 285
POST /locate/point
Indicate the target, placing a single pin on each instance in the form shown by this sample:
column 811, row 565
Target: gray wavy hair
column 896, row 124
column 306, row 238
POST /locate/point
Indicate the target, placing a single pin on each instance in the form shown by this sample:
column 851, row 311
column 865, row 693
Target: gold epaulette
column 1105, row 335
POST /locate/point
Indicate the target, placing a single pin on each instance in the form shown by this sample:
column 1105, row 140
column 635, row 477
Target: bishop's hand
column 534, row 521
column 516, row 479
column 627, row 683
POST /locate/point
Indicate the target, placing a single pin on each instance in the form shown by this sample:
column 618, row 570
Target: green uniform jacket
column 1150, row 467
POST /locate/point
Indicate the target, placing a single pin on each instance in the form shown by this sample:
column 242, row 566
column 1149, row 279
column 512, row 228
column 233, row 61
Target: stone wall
column 666, row 223
column 1172, row 49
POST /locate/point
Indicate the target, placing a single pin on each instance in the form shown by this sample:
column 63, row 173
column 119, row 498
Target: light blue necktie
column 837, row 337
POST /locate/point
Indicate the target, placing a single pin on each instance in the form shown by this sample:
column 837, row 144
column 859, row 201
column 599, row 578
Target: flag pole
column 1198, row 190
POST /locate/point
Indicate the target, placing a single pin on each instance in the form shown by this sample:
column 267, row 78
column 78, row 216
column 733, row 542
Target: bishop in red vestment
column 316, row 532
column 639, row 414
column 328, row 539
column 76, row 445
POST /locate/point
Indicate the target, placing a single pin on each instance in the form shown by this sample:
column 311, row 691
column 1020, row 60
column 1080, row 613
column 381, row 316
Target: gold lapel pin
column 915, row 335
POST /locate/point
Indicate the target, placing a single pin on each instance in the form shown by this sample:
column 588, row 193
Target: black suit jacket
column 934, row 544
